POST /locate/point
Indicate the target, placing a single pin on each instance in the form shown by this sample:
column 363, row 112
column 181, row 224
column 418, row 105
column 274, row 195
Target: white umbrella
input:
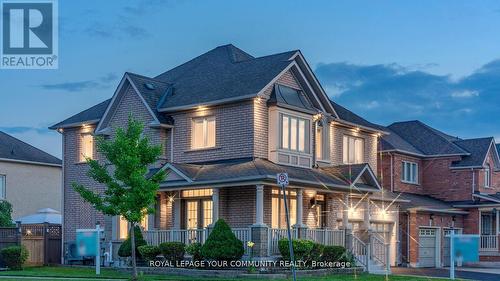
column 41, row 216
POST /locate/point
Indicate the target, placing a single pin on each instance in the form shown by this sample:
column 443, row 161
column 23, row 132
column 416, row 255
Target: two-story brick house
column 228, row 123
column 452, row 184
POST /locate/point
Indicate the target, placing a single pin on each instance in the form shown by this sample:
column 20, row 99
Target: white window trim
column 487, row 176
column 348, row 146
column 205, row 119
column 410, row 163
column 307, row 133
column 3, row 193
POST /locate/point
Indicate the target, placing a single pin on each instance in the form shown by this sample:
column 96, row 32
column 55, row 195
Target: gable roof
column 90, row 115
column 351, row 117
column 12, row 149
column 478, row 149
column 417, row 137
column 258, row 169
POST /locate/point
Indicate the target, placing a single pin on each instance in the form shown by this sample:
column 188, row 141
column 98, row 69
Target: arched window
column 487, row 176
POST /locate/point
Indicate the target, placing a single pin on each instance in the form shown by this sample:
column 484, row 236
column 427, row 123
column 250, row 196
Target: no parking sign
column 282, row 179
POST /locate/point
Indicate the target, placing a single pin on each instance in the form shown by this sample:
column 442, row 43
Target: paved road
column 439, row 272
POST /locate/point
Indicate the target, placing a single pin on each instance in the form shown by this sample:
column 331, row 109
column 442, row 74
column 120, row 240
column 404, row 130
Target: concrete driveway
column 482, row 274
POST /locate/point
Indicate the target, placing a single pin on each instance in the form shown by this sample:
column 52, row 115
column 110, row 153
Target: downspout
column 62, row 198
column 473, row 182
column 408, row 238
column 172, row 145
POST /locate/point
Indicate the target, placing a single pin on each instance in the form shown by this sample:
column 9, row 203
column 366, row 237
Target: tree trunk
column 132, row 245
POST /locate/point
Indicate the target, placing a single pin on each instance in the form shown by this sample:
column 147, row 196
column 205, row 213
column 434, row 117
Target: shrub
column 14, row 256
column 336, row 254
column 316, row 252
column 148, row 252
column 222, row 244
column 195, row 251
column 5, row 214
column 173, row 251
column 125, row 249
column 301, row 249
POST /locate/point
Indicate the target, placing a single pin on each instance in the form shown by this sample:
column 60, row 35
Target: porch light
column 317, row 117
column 201, row 107
column 351, row 211
column 60, row 130
column 357, row 129
column 257, row 99
column 171, row 198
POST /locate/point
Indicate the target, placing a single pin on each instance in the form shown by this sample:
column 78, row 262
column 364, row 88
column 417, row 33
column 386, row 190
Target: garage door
column 427, row 247
column 446, row 245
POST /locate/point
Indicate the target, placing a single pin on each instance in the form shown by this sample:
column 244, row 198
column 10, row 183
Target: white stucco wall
column 31, row 187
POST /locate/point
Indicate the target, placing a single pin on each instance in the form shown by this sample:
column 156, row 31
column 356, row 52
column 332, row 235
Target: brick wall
column 237, row 205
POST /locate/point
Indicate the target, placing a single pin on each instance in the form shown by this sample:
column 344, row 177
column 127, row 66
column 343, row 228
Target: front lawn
column 88, row 274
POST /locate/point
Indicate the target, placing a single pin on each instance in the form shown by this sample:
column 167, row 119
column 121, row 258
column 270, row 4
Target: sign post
column 88, row 243
column 282, row 179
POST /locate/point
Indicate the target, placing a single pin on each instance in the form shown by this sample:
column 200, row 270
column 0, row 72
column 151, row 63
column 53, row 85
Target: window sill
column 202, row 149
column 412, row 183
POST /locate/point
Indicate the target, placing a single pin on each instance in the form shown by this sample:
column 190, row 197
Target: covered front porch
column 489, row 231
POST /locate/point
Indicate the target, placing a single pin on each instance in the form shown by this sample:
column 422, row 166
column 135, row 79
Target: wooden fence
column 43, row 241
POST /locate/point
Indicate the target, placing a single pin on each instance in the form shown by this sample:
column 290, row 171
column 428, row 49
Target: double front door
column 197, row 213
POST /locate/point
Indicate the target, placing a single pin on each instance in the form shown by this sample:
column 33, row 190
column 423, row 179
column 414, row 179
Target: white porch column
column 215, row 205
column 366, row 213
column 300, row 206
column 259, row 205
column 345, row 213
column 497, row 221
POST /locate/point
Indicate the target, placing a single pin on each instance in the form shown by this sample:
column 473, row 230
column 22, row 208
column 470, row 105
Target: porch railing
column 329, row 237
column 190, row 236
column 489, row 243
column 360, row 251
column 379, row 251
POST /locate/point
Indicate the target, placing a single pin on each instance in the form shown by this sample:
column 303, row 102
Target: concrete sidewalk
column 481, row 274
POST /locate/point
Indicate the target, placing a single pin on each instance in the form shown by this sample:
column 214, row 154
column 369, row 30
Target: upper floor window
column 487, row 176
column 294, row 133
column 2, row 186
column 319, row 142
column 322, row 141
column 203, row 132
column 87, row 147
column 353, row 150
column 409, row 172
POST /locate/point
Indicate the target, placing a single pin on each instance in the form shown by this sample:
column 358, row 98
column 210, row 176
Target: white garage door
column 427, row 247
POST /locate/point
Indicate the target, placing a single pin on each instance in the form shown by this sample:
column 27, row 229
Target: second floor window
column 203, row 132
column 409, row 172
column 87, row 147
column 353, row 150
column 319, row 142
column 3, row 183
column 294, row 133
column 487, row 176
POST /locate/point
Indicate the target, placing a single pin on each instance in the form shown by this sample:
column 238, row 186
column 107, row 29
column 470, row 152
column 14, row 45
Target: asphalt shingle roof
column 93, row 113
column 422, row 201
column 349, row 116
column 15, row 149
column 478, row 149
column 262, row 168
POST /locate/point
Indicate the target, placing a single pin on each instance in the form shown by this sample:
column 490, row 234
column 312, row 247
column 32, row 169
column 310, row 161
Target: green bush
column 195, row 251
column 222, row 244
column 148, row 252
column 305, row 250
column 336, row 254
column 5, row 214
column 14, row 256
column 125, row 249
column 173, row 251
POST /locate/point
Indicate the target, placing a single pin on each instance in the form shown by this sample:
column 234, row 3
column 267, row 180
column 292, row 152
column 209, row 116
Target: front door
column 198, row 213
column 191, row 214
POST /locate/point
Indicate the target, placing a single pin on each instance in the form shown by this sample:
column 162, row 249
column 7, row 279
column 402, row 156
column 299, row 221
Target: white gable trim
column 309, row 70
column 309, row 86
column 118, row 91
column 177, row 171
column 272, row 82
column 497, row 160
column 370, row 172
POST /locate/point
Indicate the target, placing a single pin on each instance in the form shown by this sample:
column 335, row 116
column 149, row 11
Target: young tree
column 5, row 214
column 130, row 192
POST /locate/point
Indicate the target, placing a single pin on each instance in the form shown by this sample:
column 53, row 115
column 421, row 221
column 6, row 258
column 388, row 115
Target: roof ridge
column 23, row 142
column 142, row 76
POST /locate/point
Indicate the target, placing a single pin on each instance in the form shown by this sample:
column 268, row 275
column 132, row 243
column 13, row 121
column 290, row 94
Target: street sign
column 282, row 179
column 88, row 243
column 463, row 248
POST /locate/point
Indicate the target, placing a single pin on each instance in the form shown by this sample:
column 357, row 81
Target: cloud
column 78, row 86
column 386, row 93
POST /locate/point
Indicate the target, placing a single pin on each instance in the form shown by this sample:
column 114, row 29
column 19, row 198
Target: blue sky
column 437, row 61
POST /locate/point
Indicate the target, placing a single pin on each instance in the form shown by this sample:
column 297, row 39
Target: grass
column 88, row 274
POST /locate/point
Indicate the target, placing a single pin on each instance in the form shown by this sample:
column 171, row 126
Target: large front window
column 294, row 133
column 203, row 132
column 409, row 172
column 87, row 147
column 278, row 218
column 353, row 150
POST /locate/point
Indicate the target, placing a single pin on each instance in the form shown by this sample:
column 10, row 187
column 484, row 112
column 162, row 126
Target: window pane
column 144, row 222
column 407, row 172
column 345, row 150
column 2, row 186
column 319, row 142
column 285, row 132
column 87, row 146
column 414, row 172
column 192, row 214
column 207, row 213
column 293, row 211
column 302, row 135
column 403, row 167
column 198, row 140
column 123, row 228
column 352, row 147
column 275, row 212
column 210, row 132
column 359, row 151
column 293, row 134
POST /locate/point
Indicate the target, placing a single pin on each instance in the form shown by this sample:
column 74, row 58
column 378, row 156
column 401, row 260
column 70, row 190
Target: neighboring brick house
column 228, row 123
column 30, row 179
column 451, row 184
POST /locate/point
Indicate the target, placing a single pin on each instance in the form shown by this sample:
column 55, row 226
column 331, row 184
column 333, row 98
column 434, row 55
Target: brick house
column 449, row 183
column 228, row 123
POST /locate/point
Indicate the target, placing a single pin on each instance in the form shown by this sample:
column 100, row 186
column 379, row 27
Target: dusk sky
column 436, row 61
